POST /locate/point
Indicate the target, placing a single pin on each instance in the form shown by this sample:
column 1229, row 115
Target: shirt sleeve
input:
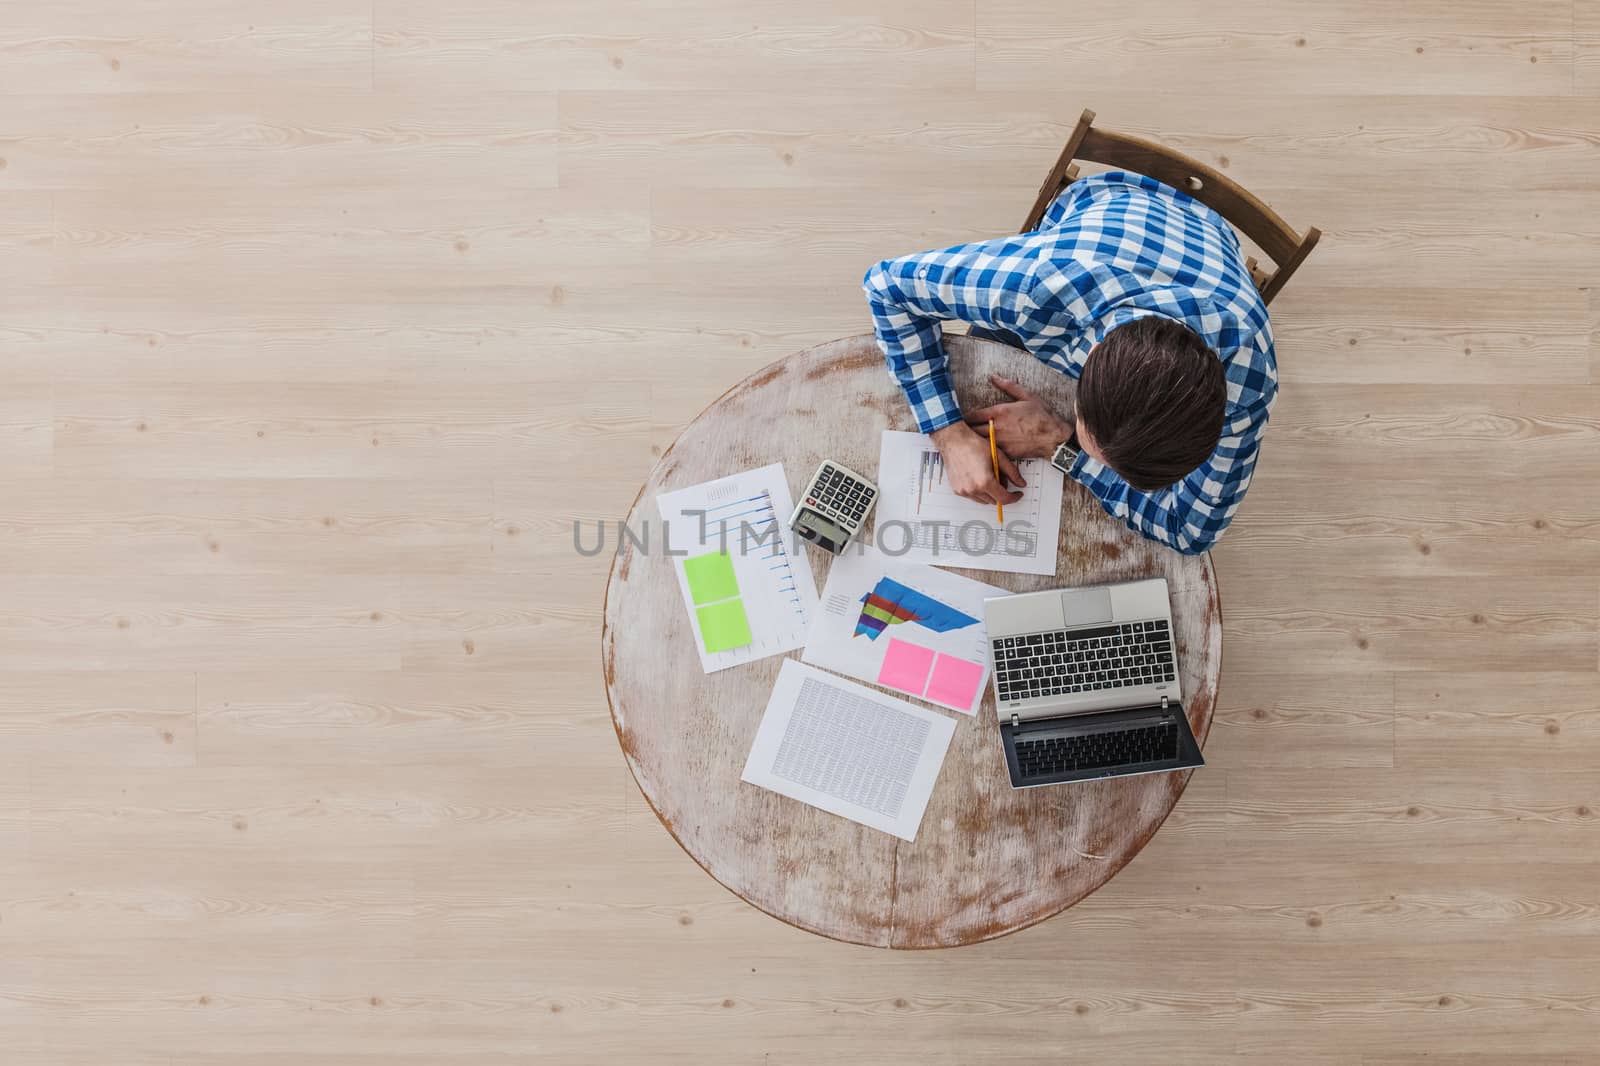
column 1192, row 514
column 985, row 283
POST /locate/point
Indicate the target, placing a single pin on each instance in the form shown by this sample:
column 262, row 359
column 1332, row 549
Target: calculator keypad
column 840, row 496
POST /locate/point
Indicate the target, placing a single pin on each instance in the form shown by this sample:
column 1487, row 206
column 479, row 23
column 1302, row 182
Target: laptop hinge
column 1015, row 721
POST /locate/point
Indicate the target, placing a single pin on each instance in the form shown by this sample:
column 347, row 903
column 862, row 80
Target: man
column 1141, row 293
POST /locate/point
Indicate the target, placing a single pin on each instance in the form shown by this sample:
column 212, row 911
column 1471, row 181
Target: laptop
column 1086, row 684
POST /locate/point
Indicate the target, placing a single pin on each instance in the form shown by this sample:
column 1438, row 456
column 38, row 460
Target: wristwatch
column 1066, row 454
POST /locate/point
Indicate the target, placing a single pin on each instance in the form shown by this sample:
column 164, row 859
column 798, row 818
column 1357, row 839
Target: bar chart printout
column 748, row 594
column 906, row 626
column 934, row 525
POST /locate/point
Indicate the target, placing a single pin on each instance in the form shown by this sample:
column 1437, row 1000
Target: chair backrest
column 1275, row 237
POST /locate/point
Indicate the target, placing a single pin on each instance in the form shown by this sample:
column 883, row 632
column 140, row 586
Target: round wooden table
column 988, row 859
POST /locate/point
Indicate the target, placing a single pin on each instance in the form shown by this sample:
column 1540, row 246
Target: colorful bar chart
column 908, row 627
column 891, row 603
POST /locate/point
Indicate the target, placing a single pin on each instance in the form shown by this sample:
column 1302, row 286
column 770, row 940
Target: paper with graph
column 848, row 749
column 747, row 593
column 919, row 512
column 905, row 626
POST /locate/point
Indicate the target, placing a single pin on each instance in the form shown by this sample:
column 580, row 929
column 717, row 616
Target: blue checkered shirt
column 1111, row 248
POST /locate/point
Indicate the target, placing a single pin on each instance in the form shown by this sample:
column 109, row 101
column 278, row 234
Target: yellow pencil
column 994, row 457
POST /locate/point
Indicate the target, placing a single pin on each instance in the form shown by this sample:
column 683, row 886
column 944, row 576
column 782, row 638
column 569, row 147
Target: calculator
column 833, row 505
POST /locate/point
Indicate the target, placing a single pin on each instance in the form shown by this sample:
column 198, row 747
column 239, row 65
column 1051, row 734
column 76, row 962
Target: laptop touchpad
column 1086, row 607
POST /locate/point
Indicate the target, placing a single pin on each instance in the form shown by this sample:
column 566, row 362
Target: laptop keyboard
column 1059, row 755
column 1083, row 660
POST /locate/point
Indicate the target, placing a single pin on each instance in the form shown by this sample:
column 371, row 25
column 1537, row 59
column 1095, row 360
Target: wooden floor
column 322, row 321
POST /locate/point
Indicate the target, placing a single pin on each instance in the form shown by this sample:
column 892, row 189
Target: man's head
column 1151, row 401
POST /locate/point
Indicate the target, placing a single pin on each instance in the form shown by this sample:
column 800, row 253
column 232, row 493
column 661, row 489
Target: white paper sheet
column 746, row 517
column 849, row 750
column 906, row 626
column 921, row 520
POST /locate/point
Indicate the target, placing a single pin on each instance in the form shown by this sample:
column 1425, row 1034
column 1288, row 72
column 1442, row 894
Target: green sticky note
column 723, row 625
column 711, row 577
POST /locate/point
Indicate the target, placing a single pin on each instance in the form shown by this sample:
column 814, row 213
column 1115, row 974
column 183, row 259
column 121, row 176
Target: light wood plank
column 226, row 140
column 186, row 46
column 345, row 239
column 1369, row 433
column 1508, row 1058
column 27, row 231
column 66, row 722
column 27, row 428
column 1410, row 815
column 1409, row 334
column 291, row 429
column 1427, row 623
column 403, row 719
column 331, row 811
column 1302, row 717
column 1295, row 47
column 285, row 526
column 1422, row 235
column 494, row 45
column 1586, row 41
column 198, row 914
column 1429, row 523
column 475, row 621
column 15, row 834
column 1594, row 337
column 1476, row 720
column 1354, row 903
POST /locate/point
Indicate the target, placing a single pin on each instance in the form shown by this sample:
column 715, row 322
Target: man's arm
column 1190, row 515
column 987, row 284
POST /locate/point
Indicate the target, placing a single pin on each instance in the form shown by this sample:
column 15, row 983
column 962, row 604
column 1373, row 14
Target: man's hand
column 1024, row 429
column 968, row 468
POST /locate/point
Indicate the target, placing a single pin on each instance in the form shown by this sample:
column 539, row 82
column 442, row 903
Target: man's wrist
column 1064, row 433
column 944, row 433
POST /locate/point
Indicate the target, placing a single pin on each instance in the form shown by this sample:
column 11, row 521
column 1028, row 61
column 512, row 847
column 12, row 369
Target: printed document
column 849, row 750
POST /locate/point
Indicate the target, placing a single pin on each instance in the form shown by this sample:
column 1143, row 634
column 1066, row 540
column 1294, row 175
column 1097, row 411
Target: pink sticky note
column 955, row 682
column 905, row 667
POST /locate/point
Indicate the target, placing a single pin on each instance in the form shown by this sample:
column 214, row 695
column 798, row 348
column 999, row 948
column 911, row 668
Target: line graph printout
column 849, row 750
column 747, row 592
column 919, row 511
column 906, row 626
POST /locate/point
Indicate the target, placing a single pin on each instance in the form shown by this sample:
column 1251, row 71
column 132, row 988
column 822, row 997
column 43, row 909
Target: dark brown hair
column 1153, row 396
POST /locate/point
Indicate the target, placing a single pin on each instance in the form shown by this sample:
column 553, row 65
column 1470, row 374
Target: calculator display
column 820, row 531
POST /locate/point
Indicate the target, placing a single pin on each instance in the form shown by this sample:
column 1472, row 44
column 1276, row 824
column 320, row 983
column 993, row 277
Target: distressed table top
column 988, row 859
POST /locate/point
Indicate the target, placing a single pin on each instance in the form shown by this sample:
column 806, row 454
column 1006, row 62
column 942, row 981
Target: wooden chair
column 1254, row 219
